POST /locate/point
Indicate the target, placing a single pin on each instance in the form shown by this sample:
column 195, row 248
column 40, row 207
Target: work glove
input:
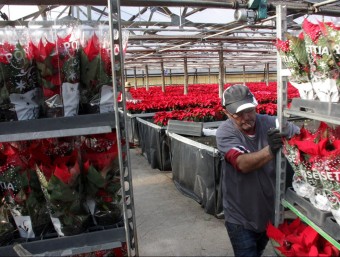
column 274, row 138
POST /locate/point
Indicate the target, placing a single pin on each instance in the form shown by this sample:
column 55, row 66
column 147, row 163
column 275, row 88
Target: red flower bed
column 202, row 102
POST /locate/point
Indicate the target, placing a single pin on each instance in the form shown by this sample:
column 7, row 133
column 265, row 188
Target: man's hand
column 274, row 140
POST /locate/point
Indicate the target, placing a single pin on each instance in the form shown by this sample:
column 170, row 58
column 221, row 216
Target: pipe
column 293, row 6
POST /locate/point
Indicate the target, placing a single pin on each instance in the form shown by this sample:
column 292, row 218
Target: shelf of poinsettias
column 39, row 173
column 202, row 103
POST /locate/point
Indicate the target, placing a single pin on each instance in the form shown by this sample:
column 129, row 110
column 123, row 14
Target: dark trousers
column 246, row 243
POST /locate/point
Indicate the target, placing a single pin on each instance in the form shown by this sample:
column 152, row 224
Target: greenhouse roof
column 174, row 32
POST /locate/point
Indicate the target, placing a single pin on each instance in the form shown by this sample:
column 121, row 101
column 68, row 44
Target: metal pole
column 135, row 76
column 281, row 27
column 143, row 78
column 186, row 78
column 89, row 13
column 125, row 177
column 221, row 72
column 170, row 77
column 163, row 78
column 244, row 75
column 267, row 74
column 209, row 81
column 147, row 77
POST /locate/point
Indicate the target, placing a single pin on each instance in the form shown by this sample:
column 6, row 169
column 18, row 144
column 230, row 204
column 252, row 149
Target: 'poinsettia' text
column 334, row 175
column 6, row 186
column 321, row 50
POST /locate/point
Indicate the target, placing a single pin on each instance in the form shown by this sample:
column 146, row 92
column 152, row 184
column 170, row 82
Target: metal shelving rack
column 84, row 125
column 315, row 110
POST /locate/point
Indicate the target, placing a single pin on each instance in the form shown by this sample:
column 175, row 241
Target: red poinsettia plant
column 315, row 159
column 96, row 69
column 45, row 54
column 20, row 96
column 58, row 168
column 295, row 238
column 58, row 62
column 96, row 74
column 21, row 189
column 102, row 177
column 7, row 229
column 320, row 51
column 332, row 33
column 294, row 56
column 90, row 57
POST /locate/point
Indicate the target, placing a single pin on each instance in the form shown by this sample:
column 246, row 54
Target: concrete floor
column 169, row 223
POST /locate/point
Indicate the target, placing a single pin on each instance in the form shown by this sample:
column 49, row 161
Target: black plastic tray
column 323, row 219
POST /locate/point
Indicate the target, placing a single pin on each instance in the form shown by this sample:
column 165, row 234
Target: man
column 128, row 97
column 249, row 142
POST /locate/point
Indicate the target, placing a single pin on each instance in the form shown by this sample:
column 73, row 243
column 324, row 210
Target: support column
column 244, row 75
column 89, row 13
column 196, row 77
column 186, row 78
column 209, row 81
column 267, row 74
column 221, row 72
column 225, row 74
column 135, row 76
column 281, row 28
column 147, row 77
column 163, row 78
column 170, row 77
column 143, row 78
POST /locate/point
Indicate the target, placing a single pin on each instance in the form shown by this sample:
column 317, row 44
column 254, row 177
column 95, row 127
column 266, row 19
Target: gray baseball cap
column 237, row 98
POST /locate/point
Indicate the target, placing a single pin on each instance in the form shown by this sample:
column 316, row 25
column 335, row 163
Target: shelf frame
column 313, row 116
column 71, row 245
column 282, row 101
column 316, row 110
column 310, row 110
column 86, row 125
column 57, row 127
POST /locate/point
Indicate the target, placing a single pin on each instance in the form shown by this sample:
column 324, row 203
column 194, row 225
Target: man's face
column 245, row 120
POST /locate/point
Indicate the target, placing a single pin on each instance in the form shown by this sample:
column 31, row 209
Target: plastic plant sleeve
column 324, row 70
column 60, row 179
column 20, row 94
column 22, row 193
column 101, row 171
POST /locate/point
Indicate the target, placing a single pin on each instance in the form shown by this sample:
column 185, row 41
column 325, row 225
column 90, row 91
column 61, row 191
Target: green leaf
column 44, row 68
column 60, row 191
column 47, row 84
column 102, row 76
column 112, row 187
column 88, row 70
column 77, row 207
column 67, row 220
column 95, row 177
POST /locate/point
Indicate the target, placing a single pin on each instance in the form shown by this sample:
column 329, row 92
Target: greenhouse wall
column 199, row 79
